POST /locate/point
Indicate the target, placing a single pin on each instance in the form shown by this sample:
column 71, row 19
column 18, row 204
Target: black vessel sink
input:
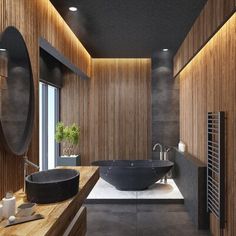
column 52, row 186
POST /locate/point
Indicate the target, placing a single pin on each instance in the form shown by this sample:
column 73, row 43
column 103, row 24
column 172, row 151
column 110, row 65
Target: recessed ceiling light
column 165, row 49
column 3, row 49
column 73, row 8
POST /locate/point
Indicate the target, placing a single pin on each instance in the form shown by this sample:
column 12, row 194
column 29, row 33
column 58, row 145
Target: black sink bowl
column 52, row 186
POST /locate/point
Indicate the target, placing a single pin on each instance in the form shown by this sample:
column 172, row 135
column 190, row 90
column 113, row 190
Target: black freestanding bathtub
column 133, row 175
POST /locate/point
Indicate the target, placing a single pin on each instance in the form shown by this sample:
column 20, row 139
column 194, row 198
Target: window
column 48, row 117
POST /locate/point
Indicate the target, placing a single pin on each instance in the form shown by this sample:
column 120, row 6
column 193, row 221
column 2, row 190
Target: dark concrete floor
column 140, row 220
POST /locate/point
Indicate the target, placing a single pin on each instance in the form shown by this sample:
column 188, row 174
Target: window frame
column 43, row 118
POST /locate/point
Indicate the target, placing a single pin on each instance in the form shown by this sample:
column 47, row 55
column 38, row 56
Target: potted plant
column 68, row 137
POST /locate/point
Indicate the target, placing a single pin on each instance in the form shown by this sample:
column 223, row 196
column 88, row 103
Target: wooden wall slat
column 74, row 109
column 130, row 80
column 207, row 83
column 116, row 121
column 34, row 19
column 213, row 15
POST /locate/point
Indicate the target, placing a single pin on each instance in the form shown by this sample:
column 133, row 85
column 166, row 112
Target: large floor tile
column 140, row 220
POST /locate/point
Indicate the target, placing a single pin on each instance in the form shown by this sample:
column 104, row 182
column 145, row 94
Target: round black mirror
column 16, row 93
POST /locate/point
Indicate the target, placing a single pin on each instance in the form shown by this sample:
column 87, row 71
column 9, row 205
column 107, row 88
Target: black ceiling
column 129, row 28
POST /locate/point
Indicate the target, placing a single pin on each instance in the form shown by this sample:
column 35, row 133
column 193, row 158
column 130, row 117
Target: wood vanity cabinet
column 66, row 218
column 78, row 226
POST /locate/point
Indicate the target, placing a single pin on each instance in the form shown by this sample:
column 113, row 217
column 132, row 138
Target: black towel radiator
column 216, row 165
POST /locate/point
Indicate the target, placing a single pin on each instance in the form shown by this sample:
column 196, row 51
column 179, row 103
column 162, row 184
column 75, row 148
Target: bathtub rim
column 99, row 163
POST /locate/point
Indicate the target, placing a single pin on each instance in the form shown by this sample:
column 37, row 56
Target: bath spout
column 161, row 149
column 165, row 155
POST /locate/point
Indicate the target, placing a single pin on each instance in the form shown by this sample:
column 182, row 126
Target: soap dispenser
column 9, row 205
column 182, row 146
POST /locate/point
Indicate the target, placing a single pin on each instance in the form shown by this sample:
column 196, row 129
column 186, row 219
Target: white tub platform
column 104, row 192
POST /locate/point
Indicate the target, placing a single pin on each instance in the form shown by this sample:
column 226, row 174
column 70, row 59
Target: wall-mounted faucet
column 163, row 156
column 161, row 149
column 166, row 151
column 26, row 164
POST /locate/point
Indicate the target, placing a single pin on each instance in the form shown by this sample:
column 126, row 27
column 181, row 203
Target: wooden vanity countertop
column 56, row 215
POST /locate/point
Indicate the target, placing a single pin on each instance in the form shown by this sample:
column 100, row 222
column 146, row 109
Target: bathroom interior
column 117, row 117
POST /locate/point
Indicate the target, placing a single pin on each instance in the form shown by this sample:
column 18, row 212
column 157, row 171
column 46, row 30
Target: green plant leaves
column 69, row 134
column 59, row 135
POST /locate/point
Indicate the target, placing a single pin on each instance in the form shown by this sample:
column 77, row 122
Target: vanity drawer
column 78, row 225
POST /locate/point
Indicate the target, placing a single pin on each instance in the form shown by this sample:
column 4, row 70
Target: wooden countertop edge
column 74, row 206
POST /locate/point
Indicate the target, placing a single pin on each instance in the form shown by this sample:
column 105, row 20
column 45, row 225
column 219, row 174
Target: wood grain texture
column 208, row 83
column 213, row 15
column 74, row 108
column 78, row 225
column 120, row 92
column 114, row 111
column 34, row 19
column 57, row 216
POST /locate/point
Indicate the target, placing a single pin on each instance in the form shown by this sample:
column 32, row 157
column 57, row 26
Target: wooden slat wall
column 120, row 93
column 34, row 19
column 74, row 102
column 214, row 14
column 118, row 121
column 208, row 83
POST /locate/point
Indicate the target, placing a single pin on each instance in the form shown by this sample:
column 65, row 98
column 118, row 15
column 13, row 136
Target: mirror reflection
column 16, row 91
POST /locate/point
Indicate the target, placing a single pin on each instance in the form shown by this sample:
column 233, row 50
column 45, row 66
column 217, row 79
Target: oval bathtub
column 133, row 175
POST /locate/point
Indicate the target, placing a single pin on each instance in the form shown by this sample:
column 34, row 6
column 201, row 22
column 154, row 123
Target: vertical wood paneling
column 214, row 14
column 116, row 121
column 34, row 19
column 207, row 83
column 74, row 109
column 122, row 114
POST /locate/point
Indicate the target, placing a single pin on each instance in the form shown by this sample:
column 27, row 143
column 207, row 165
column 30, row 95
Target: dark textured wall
column 165, row 102
column 191, row 181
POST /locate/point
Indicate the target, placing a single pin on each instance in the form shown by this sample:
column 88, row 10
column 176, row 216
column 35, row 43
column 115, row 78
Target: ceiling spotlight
column 73, row 8
column 165, row 49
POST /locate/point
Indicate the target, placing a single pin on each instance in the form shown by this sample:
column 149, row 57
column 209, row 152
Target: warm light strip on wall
column 65, row 25
column 112, row 59
column 46, row 3
column 231, row 20
column 128, row 61
column 124, row 60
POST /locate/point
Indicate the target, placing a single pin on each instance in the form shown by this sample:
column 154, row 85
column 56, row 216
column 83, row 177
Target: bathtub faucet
column 161, row 149
column 165, row 153
column 165, row 157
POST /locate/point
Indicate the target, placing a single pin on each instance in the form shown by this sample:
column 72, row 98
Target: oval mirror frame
column 16, row 93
